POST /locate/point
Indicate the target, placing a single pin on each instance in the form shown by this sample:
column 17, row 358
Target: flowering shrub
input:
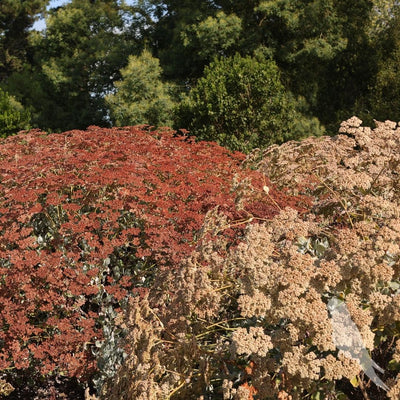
column 249, row 319
column 89, row 218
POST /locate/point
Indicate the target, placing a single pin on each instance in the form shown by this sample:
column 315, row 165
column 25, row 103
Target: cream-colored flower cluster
column 251, row 321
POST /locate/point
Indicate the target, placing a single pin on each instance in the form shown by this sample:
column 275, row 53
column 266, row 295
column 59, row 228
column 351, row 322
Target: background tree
column 382, row 13
column 218, row 35
column 382, row 102
column 322, row 49
column 16, row 18
column 13, row 117
column 175, row 20
column 77, row 58
column 338, row 57
column 241, row 103
column 141, row 97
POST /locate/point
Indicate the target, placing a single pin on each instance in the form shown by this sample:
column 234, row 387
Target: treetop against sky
column 41, row 24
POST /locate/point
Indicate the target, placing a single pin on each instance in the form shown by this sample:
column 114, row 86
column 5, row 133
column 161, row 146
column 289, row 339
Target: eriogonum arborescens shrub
column 250, row 320
column 88, row 218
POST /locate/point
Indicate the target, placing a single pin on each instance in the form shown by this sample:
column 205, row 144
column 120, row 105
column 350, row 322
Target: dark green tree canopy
column 16, row 17
column 383, row 99
column 174, row 19
column 334, row 58
column 77, row 59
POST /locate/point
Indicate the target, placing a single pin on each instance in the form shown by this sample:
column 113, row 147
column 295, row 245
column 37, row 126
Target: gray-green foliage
column 141, row 97
column 241, row 103
column 13, row 116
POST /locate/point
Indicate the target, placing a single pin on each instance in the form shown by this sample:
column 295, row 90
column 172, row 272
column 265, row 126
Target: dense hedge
column 87, row 219
column 242, row 104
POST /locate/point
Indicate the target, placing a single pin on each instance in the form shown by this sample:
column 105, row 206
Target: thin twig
column 344, row 205
column 362, row 387
column 176, row 389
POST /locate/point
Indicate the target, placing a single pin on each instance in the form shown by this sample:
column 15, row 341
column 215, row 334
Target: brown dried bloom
column 359, row 315
column 194, row 290
column 382, row 272
column 393, row 311
column 227, row 389
column 394, row 393
column 349, row 367
column 349, row 125
column 336, row 368
column 5, row 388
column 287, row 225
column 328, row 275
column 251, row 341
column 353, row 180
column 332, row 368
column 302, row 363
column 258, row 304
column 243, row 393
column 396, row 355
column 348, row 241
column 341, row 167
column 282, row 395
column 144, row 333
column 379, row 301
column 263, row 301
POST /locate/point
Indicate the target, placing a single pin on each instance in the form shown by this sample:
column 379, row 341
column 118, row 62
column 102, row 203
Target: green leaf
column 393, row 365
column 354, row 381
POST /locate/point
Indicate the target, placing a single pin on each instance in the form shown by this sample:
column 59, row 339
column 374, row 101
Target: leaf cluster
column 13, row 117
column 242, row 104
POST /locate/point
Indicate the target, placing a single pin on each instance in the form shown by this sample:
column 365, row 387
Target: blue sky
column 39, row 25
column 57, row 3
